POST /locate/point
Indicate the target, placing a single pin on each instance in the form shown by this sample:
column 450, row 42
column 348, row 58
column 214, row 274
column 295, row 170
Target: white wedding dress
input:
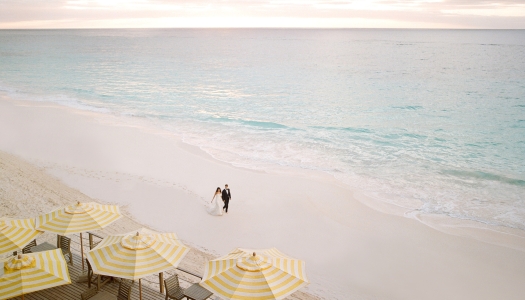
column 215, row 208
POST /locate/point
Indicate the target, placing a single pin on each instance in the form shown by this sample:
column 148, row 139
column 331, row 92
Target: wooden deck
column 73, row 290
column 187, row 272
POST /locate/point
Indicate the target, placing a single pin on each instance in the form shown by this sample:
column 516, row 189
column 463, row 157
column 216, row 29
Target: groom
column 226, row 196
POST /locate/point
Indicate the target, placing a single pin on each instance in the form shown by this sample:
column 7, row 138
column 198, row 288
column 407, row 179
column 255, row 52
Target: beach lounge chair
column 124, row 292
column 173, row 289
column 27, row 249
column 64, row 243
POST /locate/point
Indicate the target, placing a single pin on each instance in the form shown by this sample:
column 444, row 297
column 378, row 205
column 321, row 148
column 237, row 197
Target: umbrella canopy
column 78, row 217
column 254, row 274
column 137, row 254
column 32, row 272
column 16, row 234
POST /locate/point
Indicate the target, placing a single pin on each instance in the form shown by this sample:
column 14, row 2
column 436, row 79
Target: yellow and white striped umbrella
column 78, row 217
column 254, row 274
column 137, row 254
column 32, row 272
column 16, row 234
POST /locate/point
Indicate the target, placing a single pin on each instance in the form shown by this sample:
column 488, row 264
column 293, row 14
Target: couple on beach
column 215, row 208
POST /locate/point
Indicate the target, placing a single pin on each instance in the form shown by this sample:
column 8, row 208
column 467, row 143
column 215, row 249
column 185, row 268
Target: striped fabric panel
column 170, row 237
column 108, row 241
column 110, row 208
column 216, row 267
column 50, row 271
column 293, row 267
column 283, row 283
column 111, row 258
column 62, row 222
column 16, row 234
column 234, row 254
column 240, row 252
column 273, row 252
column 21, row 223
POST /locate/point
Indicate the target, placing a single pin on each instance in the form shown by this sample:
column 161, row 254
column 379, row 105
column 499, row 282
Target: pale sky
column 262, row 13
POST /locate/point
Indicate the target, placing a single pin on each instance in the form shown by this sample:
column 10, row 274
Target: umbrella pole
column 81, row 251
column 140, row 290
column 161, row 282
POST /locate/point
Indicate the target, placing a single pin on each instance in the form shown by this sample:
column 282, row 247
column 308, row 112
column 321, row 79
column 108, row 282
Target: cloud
column 262, row 13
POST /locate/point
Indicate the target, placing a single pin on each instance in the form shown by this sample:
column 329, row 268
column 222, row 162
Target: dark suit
column 226, row 196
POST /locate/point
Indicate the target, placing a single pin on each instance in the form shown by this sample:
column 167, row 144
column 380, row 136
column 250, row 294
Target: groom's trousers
column 225, row 207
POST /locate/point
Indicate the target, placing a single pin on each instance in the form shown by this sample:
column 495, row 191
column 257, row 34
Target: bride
column 215, row 208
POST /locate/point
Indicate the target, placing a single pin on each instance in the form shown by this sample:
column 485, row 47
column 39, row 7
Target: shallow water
column 432, row 115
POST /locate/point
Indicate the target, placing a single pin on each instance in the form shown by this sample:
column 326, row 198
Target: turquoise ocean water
column 437, row 116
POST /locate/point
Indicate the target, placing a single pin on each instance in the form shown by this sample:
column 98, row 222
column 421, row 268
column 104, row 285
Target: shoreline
column 410, row 208
column 133, row 167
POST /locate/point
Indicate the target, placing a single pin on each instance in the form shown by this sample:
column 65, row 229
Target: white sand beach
column 21, row 183
column 352, row 250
